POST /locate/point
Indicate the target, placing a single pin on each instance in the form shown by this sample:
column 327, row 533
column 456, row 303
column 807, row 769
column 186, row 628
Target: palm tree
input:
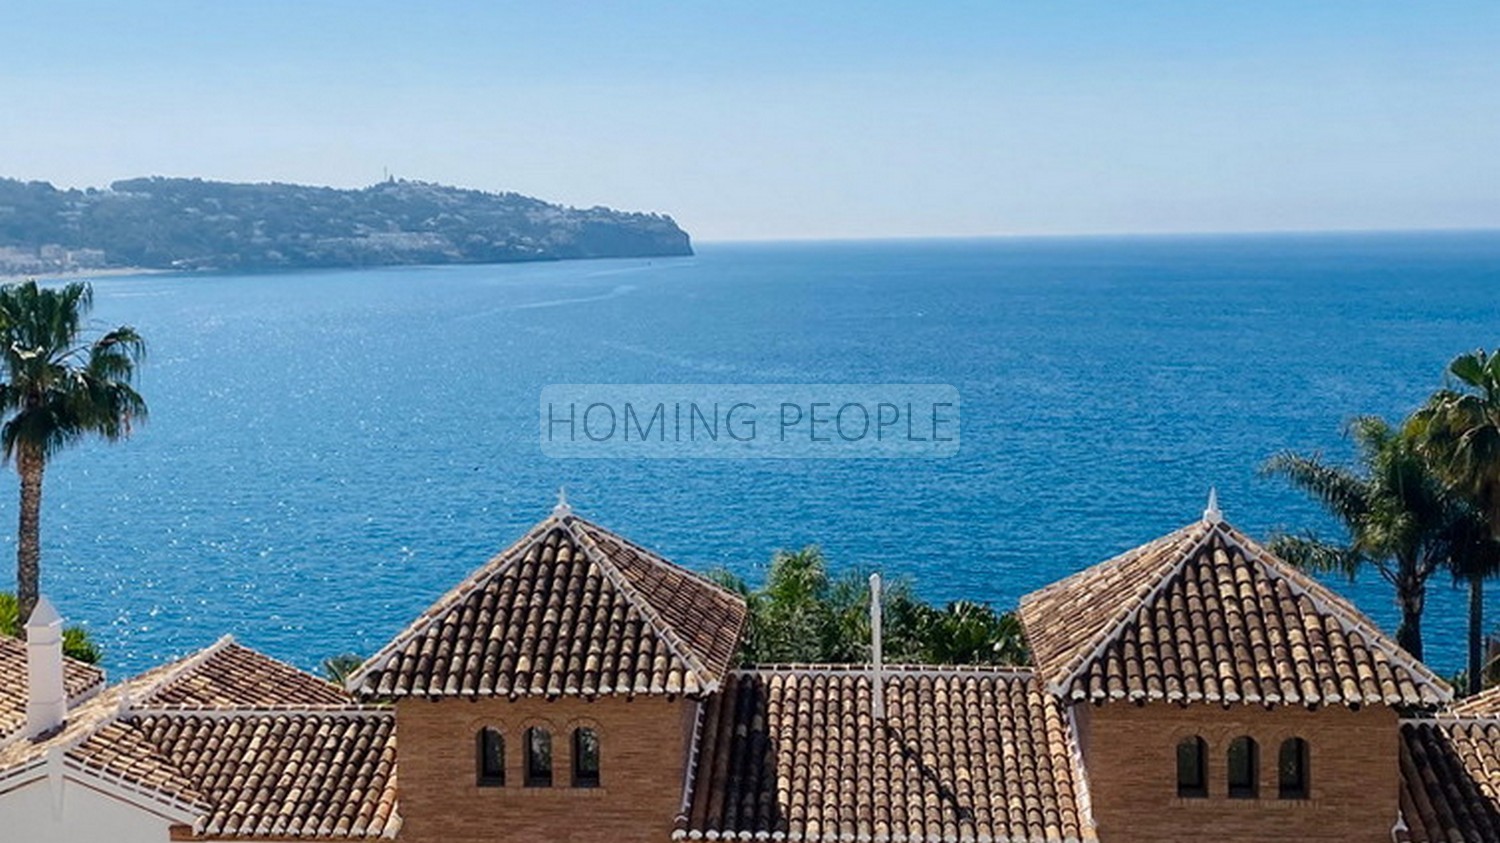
column 337, row 669
column 1459, row 429
column 966, row 632
column 1400, row 517
column 58, row 388
column 801, row 614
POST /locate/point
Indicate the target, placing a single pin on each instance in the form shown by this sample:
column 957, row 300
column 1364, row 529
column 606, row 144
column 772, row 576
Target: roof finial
column 1212, row 515
column 562, row 507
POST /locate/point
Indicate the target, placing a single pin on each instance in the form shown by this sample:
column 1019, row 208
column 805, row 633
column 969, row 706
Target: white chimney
column 877, row 680
column 47, row 700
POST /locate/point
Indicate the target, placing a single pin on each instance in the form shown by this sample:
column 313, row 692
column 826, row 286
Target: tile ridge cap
column 1111, row 630
column 863, row 669
column 664, row 630
column 174, row 673
column 1330, row 604
column 352, row 710
column 511, row 555
column 657, row 557
column 1114, row 561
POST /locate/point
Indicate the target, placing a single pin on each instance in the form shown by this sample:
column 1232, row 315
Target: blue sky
column 809, row 119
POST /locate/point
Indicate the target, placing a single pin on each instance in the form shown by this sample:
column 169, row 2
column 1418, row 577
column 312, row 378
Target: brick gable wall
column 1130, row 755
column 644, row 744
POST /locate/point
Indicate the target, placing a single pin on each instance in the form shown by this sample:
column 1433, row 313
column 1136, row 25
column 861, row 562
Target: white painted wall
column 87, row 816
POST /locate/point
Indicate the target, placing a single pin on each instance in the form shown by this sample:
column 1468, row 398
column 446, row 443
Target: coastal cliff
column 192, row 224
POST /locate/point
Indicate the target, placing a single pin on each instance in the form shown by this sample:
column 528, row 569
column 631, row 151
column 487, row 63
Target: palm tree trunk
column 30, row 465
column 1476, row 635
column 1412, row 600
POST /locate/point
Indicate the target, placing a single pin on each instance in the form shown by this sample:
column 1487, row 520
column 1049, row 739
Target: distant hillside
column 186, row 224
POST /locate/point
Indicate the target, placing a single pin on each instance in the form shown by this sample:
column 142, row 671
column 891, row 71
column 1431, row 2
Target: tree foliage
column 1458, row 430
column 338, row 668
column 170, row 223
column 77, row 643
column 804, row 614
column 57, row 386
column 1400, row 518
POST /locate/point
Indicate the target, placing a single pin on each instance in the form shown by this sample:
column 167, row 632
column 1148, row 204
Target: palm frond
column 1342, row 492
column 57, row 388
column 1310, row 553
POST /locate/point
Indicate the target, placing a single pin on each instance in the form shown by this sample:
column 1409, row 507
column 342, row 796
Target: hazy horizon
column 794, row 121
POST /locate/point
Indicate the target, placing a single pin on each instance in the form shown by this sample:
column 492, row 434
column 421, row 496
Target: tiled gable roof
column 1450, row 781
column 963, row 754
column 236, row 744
column 1206, row 614
column 570, row 609
column 80, row 680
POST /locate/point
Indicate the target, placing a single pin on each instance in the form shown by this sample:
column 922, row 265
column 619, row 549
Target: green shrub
column 77, row 643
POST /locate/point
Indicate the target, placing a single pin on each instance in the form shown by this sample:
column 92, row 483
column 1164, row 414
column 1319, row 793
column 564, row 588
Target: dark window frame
column 584, row 776
column 538, row 757
column 488, row 774
column 1293, row 761
column 1243, row 783
column 1192, row 768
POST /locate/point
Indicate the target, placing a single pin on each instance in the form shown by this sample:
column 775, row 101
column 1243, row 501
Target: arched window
column 491, row 755
column 1192, row 775
column 1291, row 769
column 585, row 758
column 1244, row 767
column 538, row 757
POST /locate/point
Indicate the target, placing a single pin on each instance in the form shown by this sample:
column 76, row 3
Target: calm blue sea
column 330, row 451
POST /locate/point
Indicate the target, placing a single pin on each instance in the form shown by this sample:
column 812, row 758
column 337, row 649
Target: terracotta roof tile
column 1450, row 780
column 79, row 680
column 240, row 745
column 963, row 754
column 701, row 616
column 120, row 751
column 571, row 609
column 84, row 720
column 1484, row 703
column 228, row 674
column 1206, row 614
column 322, row 775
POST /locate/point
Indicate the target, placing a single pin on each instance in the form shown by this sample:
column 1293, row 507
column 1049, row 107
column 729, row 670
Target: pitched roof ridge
column 279, row 662
column 1331, row 604
column 815, row 669
column 657, row 557
column 432, row 614
column 229, row 711
column 1165, row 573
column 175, row 672
column 87, row 723
column 1113, row 562
column 617, row 578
